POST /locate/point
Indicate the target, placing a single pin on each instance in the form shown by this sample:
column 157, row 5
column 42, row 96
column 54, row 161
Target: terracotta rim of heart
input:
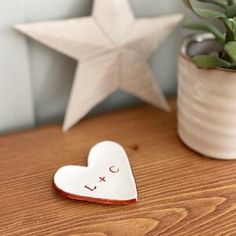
column 92, row 199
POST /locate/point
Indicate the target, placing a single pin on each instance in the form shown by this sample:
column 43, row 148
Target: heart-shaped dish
column 108, row 178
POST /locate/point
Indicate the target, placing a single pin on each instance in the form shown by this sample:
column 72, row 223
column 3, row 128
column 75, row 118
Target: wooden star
column 112, row 48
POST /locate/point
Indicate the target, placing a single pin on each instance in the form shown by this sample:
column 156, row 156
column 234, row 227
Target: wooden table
column 180, row 192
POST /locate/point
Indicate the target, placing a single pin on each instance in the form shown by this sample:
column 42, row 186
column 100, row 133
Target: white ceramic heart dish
column 108, row 178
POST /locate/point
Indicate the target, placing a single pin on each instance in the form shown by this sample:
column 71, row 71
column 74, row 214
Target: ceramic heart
column 107, row 179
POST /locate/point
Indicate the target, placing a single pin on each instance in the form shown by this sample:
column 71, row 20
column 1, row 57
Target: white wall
column 16, row 103
column 35, row 81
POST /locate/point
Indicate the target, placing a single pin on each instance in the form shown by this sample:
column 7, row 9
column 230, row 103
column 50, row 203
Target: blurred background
column 35, row 81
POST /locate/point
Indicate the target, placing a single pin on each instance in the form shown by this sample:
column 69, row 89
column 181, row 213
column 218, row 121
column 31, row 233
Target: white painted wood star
column 112, row 48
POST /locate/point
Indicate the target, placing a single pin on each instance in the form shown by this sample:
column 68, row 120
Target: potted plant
column 207, row 83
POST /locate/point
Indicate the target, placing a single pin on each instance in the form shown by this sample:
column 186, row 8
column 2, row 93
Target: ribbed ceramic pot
column 206, row 103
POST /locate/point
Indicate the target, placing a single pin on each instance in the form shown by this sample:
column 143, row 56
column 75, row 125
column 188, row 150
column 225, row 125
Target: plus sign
column 102, row 179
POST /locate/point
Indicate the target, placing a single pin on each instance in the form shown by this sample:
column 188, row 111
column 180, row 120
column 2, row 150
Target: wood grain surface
column 180, row 192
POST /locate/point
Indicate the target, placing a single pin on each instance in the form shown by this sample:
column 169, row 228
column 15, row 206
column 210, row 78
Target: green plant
column 227, row 15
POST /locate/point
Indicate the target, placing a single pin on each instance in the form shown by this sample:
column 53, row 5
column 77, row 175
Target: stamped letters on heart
column 108, row 178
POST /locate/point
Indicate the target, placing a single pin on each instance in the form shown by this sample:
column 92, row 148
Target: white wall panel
column 16, row 109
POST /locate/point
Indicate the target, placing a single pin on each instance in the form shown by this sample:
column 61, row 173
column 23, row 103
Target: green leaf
column 210, row 62
column 209, row 28
column 221, row 3
column 231, row 2
column 204, row 13
column 230, row 29
column 230, row 49
column 207, row 13
column 230, row 11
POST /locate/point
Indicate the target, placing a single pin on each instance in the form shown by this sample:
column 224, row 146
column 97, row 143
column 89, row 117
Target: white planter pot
column 206, row 104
